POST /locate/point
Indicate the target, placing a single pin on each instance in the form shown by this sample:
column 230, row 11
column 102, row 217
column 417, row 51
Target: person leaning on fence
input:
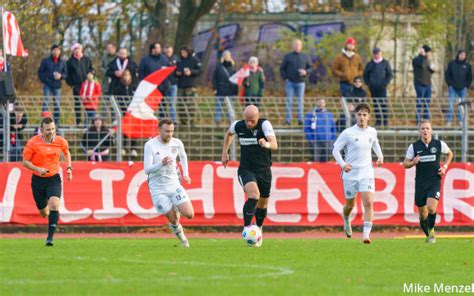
column 423, row 68
column 458, row 76
column 347, row 65
column 90, row 94
column 18, row 121
column 50, row 72
column 320, row 131
column 294, row 69
column 356, row 93
column 96, row 141
column 109, row 56
column 377, row 76
column 187, row 70
column 77, row 67
column 221, row 84
column 254, row 84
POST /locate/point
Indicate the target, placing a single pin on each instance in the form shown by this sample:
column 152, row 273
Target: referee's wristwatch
column 69, row 168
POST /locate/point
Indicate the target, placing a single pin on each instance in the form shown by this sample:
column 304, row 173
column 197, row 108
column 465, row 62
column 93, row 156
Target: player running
column 425, row 154
column 41, row 155
column 257, row 140
column 167, row 194
column 358, row 142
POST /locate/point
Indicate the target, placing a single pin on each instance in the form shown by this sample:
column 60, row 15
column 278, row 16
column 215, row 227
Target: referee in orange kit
column 41, row 155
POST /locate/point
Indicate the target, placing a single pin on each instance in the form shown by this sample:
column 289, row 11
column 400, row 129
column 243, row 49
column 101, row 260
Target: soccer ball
column 252, row 235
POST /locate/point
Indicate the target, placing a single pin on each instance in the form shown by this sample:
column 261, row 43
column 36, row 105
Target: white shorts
column 351, row 187
column 165, row 198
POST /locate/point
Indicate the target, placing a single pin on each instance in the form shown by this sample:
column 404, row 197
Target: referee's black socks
column 424, row 225
column 53, row 223
column 249, row 211
column 431, row 220
column 260, row 215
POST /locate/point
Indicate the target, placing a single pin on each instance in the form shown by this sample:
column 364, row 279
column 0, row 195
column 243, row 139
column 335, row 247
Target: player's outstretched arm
column 229, row 137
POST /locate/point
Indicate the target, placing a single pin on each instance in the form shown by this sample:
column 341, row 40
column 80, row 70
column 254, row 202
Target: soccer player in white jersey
column 358, row 142
column 167, row 194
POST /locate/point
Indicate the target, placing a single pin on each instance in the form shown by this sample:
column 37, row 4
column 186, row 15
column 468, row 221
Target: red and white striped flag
column 140, row 120
column 11, row 35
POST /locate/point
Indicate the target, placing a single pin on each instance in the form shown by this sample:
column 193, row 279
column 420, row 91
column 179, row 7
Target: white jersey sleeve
column 339, row 145
column 183, row 158
column 232, row 127
column 410, row 152
column 148, row 160
column 268, row 129
column 376, row 146
column 444, row 148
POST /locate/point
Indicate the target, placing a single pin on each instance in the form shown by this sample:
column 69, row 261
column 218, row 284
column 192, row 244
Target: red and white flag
column 140, row 120
column 240, row 75
column 11, row 35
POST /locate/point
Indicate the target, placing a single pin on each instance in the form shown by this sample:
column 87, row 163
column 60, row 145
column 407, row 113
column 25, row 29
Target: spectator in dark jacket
column 221, row 84
column 459, row 78
column 294, row 69
column 117, row 66
column 320, row 131
column 18, row 121
column 96, row 141
column 77, row 66
column 51, row 71
column 254, row 84
column 188, row 68
column 422, row 70
column 356, row 93
column 173, row 92
column 377, row 76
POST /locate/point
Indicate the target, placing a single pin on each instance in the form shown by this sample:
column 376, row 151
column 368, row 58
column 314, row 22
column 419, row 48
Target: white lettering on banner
column 316, row 185
column 132, row 197
column 237, row 190
column 6, row 207
column 385, row 196
column 67, row 215
column 409, row 197
column 107, row 177
column 452, row 198
column 206, row 192
column 284, row 194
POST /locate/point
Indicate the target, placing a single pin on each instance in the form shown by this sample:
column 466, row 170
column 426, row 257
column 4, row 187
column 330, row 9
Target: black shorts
column 424, row 191
column 263, row 179
column 45, row 187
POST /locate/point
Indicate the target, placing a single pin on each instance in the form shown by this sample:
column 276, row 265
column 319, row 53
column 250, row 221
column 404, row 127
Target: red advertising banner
column 308, row 194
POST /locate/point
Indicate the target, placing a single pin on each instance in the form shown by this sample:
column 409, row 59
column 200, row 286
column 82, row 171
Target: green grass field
column 228, row 267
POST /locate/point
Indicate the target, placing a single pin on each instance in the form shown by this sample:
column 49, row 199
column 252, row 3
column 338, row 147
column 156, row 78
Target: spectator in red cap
column 347, row 66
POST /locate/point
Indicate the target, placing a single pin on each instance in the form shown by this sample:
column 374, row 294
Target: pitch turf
column 228, row 267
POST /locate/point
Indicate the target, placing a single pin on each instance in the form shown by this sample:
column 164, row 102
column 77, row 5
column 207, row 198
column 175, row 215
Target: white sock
column 346, row 218
column 367, row 229
column 178, row 231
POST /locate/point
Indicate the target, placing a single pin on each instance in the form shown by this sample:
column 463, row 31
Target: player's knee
column 431, row 210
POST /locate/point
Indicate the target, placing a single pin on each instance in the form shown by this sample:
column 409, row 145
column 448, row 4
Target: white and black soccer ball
column 252, row 235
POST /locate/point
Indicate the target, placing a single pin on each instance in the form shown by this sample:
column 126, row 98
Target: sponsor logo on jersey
column 248, row 141
column 427, row 158
column 174, row 150
column 433, row 150
column 254, row 132
column 241, row 134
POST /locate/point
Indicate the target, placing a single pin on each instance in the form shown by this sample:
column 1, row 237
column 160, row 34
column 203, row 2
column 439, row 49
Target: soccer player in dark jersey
column 425, row 154
column 257, row 140
column 41, row 155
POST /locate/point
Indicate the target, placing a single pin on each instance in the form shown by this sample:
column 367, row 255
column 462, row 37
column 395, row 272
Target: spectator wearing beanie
column 347, row 65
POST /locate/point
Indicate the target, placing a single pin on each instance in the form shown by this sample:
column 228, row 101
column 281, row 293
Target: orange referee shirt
column 45, row 155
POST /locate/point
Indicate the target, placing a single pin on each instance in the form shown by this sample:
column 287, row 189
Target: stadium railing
column 204, row 137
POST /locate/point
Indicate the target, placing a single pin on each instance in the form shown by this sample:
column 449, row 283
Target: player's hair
column 362, row 106
column 165, row 121
column 46, row 120
column 424, row 121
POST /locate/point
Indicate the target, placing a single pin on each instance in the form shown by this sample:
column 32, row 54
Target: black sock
column 249, row 210
column 53, row 223
column 260, row 215
column 431, row 220
column 424, row 226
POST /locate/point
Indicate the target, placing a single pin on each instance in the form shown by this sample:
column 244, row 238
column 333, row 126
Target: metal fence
column 203, row 135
